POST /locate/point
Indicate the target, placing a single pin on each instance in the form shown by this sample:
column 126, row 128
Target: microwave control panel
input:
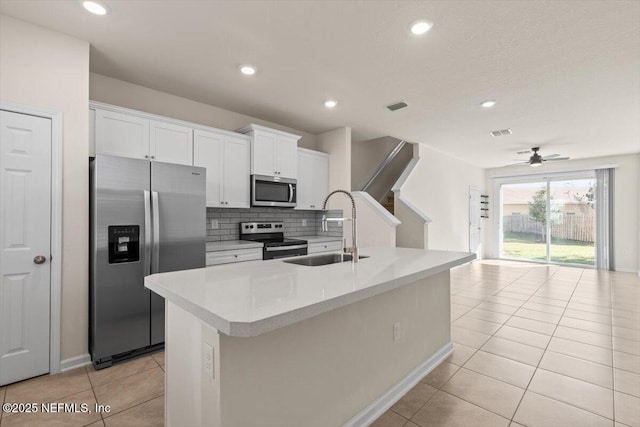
column 124, row 243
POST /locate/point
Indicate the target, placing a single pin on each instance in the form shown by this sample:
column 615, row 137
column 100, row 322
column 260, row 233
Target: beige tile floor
column 534, row 346
column 134, row 390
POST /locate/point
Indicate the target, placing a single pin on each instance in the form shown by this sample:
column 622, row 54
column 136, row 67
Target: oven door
column 273, row 252
column 273, row 191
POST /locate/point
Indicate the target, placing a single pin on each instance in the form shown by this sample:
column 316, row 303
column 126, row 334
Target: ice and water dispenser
column 124, row 243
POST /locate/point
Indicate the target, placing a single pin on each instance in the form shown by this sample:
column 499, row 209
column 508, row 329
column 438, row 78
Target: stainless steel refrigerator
column 146, row 218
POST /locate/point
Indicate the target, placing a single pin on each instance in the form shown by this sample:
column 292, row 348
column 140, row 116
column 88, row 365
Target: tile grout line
column 545, row 350
column 459, row 367
column 476, row 350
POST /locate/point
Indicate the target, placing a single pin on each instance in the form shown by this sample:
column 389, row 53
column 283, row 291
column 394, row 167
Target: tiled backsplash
column 229, row 220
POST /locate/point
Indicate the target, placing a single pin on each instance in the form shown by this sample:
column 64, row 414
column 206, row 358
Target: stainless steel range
column 272, row 235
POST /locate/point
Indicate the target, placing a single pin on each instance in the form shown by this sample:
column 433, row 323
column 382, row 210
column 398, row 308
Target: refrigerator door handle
column 155, row 262
column 147, row 232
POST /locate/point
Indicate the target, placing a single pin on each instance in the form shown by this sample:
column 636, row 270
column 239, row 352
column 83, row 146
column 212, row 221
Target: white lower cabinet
column 234, row 255
column 333, row 246
column 313, row 179
column 227, row 160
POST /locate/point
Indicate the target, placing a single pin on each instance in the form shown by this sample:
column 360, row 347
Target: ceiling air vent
column 501, row 132
column 399, row 105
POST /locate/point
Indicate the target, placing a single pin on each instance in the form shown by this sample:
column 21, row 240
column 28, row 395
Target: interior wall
column 366, row 156
column 42, row 68
column 124, row 94
column 439, row 187
column 626, row 196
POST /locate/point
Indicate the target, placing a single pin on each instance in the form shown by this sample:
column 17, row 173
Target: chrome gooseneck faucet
column 353, row 250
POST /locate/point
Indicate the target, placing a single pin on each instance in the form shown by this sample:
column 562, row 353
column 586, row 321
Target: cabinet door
column 320, row 181
column 171, row 143
column 263, row 161
column 122, row 135
column 235, row 181
column 286, row 157
column 305, row 187
column 208, row 152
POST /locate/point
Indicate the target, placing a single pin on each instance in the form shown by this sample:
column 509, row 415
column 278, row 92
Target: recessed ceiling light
column 488, row 103
column 421, row 26
column 330, row 103
column 248, row 70
column 95, row 7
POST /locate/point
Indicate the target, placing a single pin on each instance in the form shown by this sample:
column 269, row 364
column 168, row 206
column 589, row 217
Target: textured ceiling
column 566, row 74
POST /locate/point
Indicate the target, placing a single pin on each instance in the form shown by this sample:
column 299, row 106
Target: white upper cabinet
column 286, row 157
column 171, row 143
column 120, row 134
column 273, row 152
column 313, row 179
column 226, row 158
column 263, row 159
column 236, row 171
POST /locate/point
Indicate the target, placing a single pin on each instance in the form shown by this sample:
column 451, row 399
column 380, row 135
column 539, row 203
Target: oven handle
column 285, row 248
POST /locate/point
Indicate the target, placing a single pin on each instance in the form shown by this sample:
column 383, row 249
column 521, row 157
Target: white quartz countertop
column 319, row 239
column 228, row 245
column 251, row 298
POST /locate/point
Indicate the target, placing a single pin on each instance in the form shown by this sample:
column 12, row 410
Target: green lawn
column 526, row 246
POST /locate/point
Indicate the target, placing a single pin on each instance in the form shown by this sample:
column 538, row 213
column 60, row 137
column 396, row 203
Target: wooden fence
column 563, row 226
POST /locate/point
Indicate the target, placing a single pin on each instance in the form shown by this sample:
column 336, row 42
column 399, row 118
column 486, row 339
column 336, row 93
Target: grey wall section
column 129, row 95
column 366, row 156
column 229, row 220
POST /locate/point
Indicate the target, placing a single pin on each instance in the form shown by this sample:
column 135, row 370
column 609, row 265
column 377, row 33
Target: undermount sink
column 318, row 260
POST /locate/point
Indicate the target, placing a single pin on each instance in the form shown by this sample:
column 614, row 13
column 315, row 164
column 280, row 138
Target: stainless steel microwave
column 273, row 191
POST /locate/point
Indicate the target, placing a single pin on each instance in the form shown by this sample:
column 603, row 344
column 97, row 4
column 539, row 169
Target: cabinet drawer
column 333, row 246
column 236, row 255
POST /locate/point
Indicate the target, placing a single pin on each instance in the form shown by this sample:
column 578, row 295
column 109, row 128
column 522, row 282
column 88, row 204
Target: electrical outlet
column 214, row 224
column 304, row 222
column 396, row 331
column 207, row 359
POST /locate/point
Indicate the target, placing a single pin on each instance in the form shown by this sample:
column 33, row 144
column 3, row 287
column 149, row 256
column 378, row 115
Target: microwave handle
column 291, row 193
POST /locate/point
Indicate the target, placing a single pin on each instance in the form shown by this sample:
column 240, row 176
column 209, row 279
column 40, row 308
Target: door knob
column 39, row 259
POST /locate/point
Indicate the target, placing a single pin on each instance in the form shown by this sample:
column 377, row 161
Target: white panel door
column 263, row 161
column 237, row 152
column 474, row 220
column 25, row 205
column 286, row 157
column 208, row 152
column 120, row 134
column 171, row 143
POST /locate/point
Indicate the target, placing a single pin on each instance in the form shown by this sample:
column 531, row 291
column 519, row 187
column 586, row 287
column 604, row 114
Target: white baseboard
column 379, row 406
column 74, row 362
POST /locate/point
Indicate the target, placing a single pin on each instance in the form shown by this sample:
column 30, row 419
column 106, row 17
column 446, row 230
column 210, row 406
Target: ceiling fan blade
column 551, row 156
column 524, row 152
column 555, row 159
column 521, row 160
column 518, row 164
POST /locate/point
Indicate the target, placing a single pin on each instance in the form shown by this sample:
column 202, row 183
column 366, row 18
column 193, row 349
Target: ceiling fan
column 536, row 159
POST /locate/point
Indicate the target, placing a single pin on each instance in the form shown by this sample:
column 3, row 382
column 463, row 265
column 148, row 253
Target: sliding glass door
column 549, row 220
column 524, row 225
column 572, row 222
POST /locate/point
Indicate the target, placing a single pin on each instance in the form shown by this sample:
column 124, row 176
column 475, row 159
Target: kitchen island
column 269, row 343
